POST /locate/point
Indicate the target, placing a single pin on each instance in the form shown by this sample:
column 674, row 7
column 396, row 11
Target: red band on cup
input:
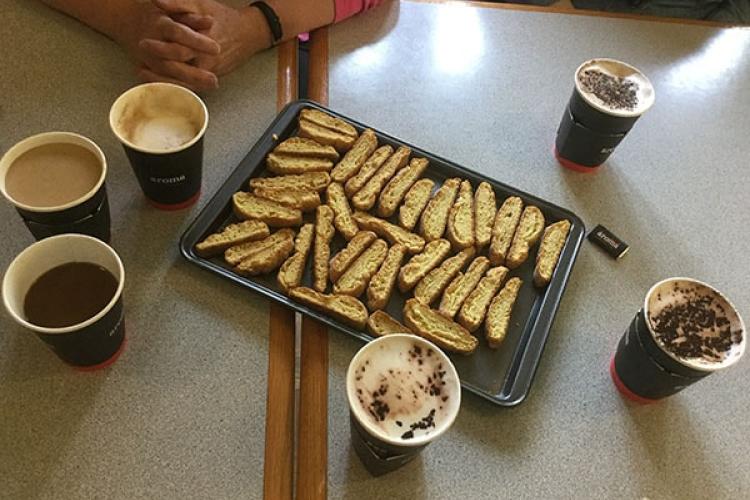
column 624, row 390
column 176, row 206
column 105, row 363
column 575, row 166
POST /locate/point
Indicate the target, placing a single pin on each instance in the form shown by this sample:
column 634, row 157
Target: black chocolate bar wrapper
column 607, row 241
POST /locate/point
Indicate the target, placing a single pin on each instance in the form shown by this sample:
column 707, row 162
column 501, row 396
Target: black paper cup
column 161, row 127
column 91, row 344
column 646, row 371
column 88, row 214
column 380, row 452
column 590, row 130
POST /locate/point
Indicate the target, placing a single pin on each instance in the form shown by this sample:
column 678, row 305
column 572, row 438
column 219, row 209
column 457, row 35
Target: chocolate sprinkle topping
column 615, row 92
column 692, row 329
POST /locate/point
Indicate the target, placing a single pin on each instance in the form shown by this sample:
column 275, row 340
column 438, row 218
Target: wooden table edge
column 312, row 437
column 582, row 12
column 278, row 463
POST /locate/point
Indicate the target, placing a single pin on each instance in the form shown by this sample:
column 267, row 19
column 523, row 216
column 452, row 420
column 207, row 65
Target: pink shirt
column 347, row 8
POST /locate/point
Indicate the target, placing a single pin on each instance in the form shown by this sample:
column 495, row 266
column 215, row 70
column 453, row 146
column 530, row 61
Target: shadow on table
column 669, row 437
column 43, row 403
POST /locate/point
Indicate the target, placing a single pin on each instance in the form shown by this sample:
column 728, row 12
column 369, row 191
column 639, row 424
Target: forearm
column 301, row 16
column 110, row 17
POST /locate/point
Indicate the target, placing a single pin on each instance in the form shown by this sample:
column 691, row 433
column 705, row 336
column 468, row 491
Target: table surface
column 181, row 414
column 486, row 88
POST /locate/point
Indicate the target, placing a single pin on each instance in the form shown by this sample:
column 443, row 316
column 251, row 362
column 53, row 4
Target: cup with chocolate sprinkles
column 403, row 393
column 685, row 331
column 608, row 98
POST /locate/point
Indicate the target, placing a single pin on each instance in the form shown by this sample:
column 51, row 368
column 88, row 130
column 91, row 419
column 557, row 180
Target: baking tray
column 502, row 376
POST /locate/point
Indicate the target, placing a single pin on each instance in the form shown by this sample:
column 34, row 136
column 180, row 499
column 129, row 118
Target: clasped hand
column 189, row 42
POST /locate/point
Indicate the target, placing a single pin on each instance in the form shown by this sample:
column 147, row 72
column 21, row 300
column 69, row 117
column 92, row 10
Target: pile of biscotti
column 451, row 248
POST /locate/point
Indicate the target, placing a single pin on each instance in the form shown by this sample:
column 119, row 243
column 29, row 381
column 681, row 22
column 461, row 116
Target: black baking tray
column 502, row 376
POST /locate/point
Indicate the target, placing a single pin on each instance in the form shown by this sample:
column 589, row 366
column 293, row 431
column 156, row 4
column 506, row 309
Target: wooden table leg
column 278, row 472
column 312, row 440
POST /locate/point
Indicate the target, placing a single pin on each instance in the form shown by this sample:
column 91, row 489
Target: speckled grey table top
column 486, row 88
column 182, row 413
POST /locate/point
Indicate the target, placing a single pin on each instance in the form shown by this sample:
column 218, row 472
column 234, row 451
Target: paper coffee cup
column 89, row 344
column 597, row 118
column 161, row 127
column 685, row 331
column 403, row 394
column 41, row 163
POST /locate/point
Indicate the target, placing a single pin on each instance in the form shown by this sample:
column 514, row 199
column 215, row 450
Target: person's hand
column 239, row 32
column 166, row 45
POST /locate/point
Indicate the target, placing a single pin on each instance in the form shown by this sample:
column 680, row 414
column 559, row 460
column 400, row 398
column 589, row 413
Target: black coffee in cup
column 608, row 98
column 161, row 127
column 68, row 290
column 685, row 331
column 56, row 181
column 69, row 294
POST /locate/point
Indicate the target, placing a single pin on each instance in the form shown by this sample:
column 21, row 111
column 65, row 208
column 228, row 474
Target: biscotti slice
column 435, row 216
column 529, row 229
column 248, row 206
column 485, row 209
column 324, row 232
column 372, row 165
column 316, row 181
column 343, row 308
column 550, row 248
column 498, row 315
column 365, row 198
column 456, row 292
column 233, row 234
column 460, row 228
column 381, row 323
column 436, row 328
column 285, row 165
column 472, row 312
column 300, row 199
column 306, row 148
column 291, row 271
column 415, row 201
column 381, row 285
column 391, row 232
column 355, row 279
column 393, row 192
column 504, row 228
column 355, row 157
column 342, row 260
column 431, row 287
column 236, row 254
column 422, row 263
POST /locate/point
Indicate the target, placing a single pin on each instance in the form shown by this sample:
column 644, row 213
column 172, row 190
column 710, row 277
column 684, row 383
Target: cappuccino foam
column 627, row 76
column 404, row 389
column 695, row 324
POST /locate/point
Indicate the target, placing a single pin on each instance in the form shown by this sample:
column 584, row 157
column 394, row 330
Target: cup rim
column 710, row 368
column 78, row 326
column 605, row 110
column 417, row 441
column 57, row 134
column 177, row 149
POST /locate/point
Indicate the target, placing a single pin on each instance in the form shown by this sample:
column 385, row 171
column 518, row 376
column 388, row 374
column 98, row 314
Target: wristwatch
column 274, row 24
